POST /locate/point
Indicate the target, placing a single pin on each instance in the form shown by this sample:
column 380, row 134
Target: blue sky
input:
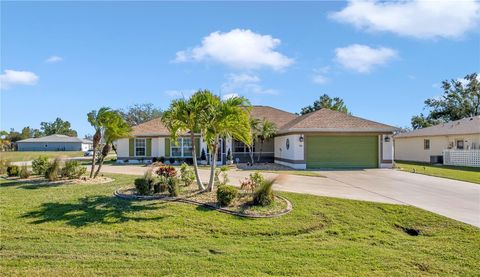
column 61, row 59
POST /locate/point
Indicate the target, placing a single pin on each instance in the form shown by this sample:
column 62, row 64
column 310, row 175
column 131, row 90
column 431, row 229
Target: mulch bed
column 42, row 181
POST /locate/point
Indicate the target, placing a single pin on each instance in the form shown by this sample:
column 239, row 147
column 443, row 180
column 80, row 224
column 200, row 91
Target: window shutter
column 167, row 147
column 149, row 147
column 131, row 147
column 197, row 146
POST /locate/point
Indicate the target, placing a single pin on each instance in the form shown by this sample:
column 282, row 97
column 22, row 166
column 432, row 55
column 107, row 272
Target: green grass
column 468, row 174
column 84, row 230
column 19, row 156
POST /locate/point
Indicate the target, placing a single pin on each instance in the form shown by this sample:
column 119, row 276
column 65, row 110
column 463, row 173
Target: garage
column 323, row 151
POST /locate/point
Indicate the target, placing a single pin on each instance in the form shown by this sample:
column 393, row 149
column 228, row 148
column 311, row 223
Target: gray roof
column 465, row 126
column 56, row 138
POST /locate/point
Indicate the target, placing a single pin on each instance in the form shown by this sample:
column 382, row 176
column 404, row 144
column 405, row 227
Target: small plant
column 40, row 165
column 257, row 178
column 229, row 155
column 13, row 171
column 4, row 164
column 166, row 171
column 171, row 160
column 263, row 195
column 247, row 185
column 187, row 176
column 24, row 172
column 142, row 186
column 223, row 171
column 203, row 156
column 53, row 171
column 154, row 159
column 172, row 186
column 162, row 159
column 226, row 194
column 73, row 170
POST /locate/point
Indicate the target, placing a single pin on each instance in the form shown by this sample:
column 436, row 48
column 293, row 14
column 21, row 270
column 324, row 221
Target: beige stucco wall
column 411, row 149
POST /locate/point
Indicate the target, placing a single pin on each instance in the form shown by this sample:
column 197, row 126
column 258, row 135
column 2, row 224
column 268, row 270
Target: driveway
column 454, row 199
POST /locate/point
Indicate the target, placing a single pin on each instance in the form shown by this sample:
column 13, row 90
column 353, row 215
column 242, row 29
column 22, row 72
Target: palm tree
column 254, row 129
column 115, row 128
column 186, row 116
column 227, row 118
column 267, row 130
column 97, row 120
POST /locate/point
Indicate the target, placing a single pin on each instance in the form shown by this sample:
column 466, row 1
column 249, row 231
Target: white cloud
column 12, row 78
column 363, row 58
column 245, row 83
column 54, row 59
column 238, row 48
column 319, row 75
column 179, row 93
column 419, row 19
column 229, row 95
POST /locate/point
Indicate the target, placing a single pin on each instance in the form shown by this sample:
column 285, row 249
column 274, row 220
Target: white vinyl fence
column 461, row 157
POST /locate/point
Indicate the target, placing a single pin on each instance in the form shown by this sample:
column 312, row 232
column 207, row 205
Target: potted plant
column 203, row 157
column 229, row 157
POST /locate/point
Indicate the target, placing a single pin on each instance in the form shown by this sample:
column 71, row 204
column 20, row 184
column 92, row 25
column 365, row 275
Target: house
column 321, row 139
column 54, row 143
column 429, row 144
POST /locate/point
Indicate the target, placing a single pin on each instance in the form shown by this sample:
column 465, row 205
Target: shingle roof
column 154, row 127
column 469, row 125
column 56, row 138
column 325, row 120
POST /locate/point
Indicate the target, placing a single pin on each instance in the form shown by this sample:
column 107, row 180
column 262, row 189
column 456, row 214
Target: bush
column 203, row 156
column 166, row 171
column 222, row 170
column 53, row 170
column 229, row 155
column 257, row 178
column 162, row 159
column 189, row 161
column 247, row 185
column 142, row 186
column 13, row 170
column 40, row 165
column 171, row 160
column 172, row 186
column 73, row 170
column 226, row 194
column 154, row 159
column 187, row 175
column 24, row 173
column 263, row 195
column 4, row 164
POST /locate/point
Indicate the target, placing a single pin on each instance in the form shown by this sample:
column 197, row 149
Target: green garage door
column 342, row 151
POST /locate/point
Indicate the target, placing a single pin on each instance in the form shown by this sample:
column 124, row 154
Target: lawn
column 84, row 230
column 468, row 174
column 19, row 156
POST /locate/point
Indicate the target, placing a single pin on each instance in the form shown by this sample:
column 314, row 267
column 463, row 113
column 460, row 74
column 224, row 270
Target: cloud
column 229, row 95
column 180, row 93
column 12, row 78
column 418, row 19
column 54, row 59
column 363, row 58
column 239, row 48
column 319, row 76
column 245, row 83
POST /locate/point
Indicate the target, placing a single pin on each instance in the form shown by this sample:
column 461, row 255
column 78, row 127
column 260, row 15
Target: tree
column 325, row 101
column 186, row 116
column 28, row 132
column 254, row 130
column 140, row 113
column 266, row 131
column 59, row 127
column 98, row 120
column 460, row 99
column 224, row 118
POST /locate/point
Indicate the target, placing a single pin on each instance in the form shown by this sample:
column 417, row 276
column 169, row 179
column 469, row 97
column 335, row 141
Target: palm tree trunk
column 105, row 151
column 250, row 150
column 96, row 141
column 261, row 149
column 212, row 166
column 195, row 164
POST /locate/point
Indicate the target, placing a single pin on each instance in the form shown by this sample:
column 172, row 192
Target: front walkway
column 454, row 199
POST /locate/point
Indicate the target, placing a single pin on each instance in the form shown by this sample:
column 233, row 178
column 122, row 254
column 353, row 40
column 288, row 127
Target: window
column 460, row 144
column 183, row 148
column 426, row 144
column 140, row 145
column 240, row 147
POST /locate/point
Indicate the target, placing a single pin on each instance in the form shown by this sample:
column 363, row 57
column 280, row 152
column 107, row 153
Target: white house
column 430, row 144
column 321, row 139
column 54, row 143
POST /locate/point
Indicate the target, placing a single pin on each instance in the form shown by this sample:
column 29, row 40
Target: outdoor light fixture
column 300, row 138
column 387, row 139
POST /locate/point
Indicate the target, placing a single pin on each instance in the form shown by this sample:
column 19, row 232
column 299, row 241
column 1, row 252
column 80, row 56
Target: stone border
column 120, row 195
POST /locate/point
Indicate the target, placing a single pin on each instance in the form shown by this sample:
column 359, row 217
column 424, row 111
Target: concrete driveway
column 453, row 199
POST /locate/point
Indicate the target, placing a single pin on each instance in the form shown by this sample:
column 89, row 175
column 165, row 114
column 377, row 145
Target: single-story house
column 428, row 144
column 321, row 139
column 54, row 143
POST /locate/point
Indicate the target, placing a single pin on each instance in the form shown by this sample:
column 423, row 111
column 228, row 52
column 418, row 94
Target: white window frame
column 144, row 147
column 182, row 148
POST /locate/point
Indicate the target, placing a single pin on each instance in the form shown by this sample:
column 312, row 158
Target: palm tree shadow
column 92, row 210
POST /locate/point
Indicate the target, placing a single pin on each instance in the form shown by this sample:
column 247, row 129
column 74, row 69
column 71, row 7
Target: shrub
column 226, row 195
column 53, row 170
column 154, row 159
column 172, row 186
column 166, row 171
column 263, row 195
column 247, row 185
column 4, row 164
column 229, row 155
column 171, row 160
column 162, row 159
column 257, row 178
column 142, row 186
column 149, row 177
column 189, row 161
column 13, row 170
column 24, row 173
column 73, row 170
column 187, row 175
column 222, row 170
column 40, row 165
column 203, row 156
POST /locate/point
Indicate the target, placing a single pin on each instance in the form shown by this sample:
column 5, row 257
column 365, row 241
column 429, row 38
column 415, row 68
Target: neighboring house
column 429, row 144
column 322, row 139
column 54, row 143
